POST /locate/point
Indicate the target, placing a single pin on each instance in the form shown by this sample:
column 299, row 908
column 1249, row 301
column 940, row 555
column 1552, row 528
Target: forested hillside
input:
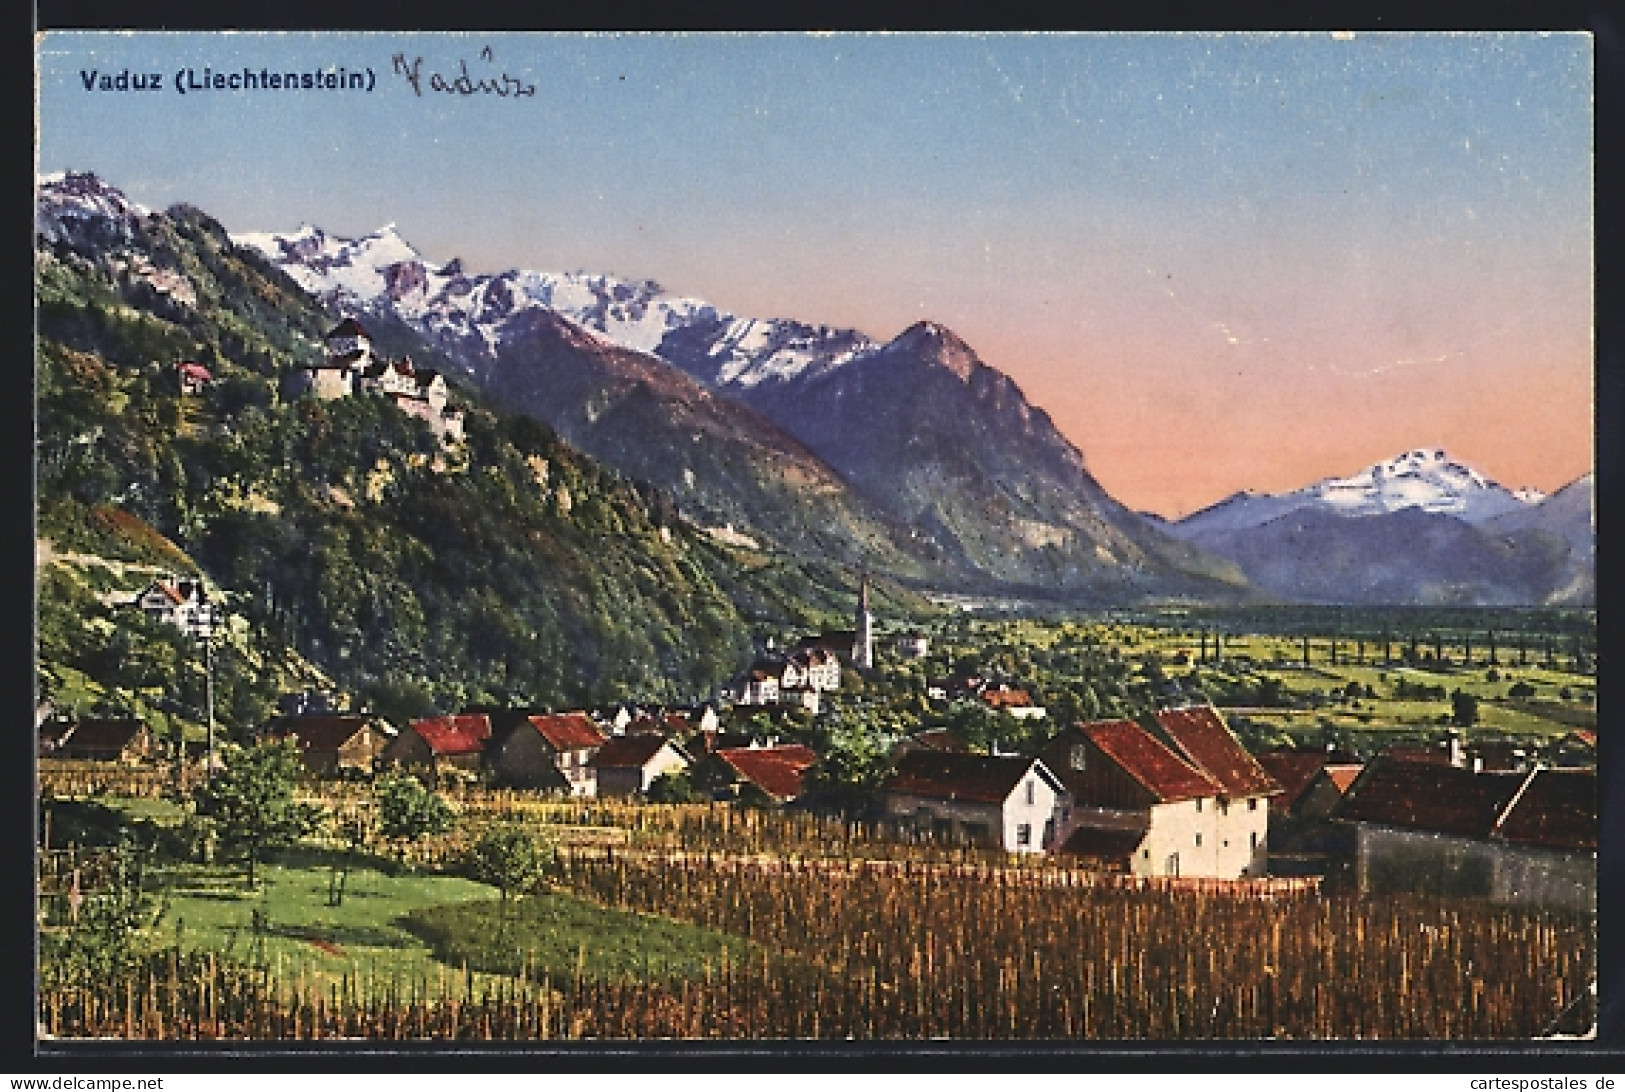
column 347, row 543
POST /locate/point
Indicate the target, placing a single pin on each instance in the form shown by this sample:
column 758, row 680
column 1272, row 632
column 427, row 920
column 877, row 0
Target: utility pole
column 205, row 629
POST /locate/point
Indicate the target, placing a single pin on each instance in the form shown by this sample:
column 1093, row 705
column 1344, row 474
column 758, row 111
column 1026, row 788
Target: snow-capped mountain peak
column 1427, row 478
column 73, row 205
column 382, row 271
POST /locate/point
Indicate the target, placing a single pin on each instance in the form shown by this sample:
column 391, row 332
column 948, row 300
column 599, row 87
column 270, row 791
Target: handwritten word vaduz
column 501, row 84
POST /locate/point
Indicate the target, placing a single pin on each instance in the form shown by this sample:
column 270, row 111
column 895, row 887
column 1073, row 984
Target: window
column 1252, row 840
column 1024, row 834
column 1252, row 803
column 1224, row 807
column 1146, row 855
column 1198, row 803
column 1031, row 790
column 1198, row 839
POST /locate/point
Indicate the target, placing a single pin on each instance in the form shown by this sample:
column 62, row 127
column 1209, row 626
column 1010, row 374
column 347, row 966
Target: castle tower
column 863, row 639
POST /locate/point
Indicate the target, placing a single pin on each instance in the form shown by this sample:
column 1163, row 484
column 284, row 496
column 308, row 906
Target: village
column 1169, row 794
column 1326, row 794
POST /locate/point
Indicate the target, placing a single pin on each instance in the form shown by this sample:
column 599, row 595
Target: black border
column 1606, row 22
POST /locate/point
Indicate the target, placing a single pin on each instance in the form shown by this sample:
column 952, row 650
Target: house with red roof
column 772, row 773
column 331, row 744
column 1006, row 802
column 436, row 744
column 1517, row 838
column 1312, row 782
column 1177, row 796
column 551, row 752
column 627, row 765
column 181, row 602
column 192, row 377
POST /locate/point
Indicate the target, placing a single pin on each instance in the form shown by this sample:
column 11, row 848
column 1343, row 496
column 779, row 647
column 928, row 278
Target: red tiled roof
column 1417, row 752
column 946, row 775
column 458, row 735
column 1149, row 761
column 1585, row 736
column 1000, row 699
column 777, row 771
column 193, row 370
column 627, row 752
column 324, row 733
column 1208, row 744
column 1294, row 771
column 1428, row 796
column 1556, row 809
column 1342, row 777
column 568, row 731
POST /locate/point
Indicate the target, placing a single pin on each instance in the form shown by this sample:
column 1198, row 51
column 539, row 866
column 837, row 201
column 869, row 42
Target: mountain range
column 1421, row 527
column 919, row 458
column 910, row 457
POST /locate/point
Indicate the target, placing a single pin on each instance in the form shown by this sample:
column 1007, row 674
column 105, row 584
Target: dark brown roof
column 1556, row 809
column 1417, row 752
column 627, row 752
column 105, row 734
column 459, row 735
column 1207, row 743
column 777, row 771
column 1294, row 771
column 1149, row 761
column 941, row 739
column 568, row 731
column 946, row 775
column 347, row 328
column 319, row 733
column 1103, row 843
column 1428, row 796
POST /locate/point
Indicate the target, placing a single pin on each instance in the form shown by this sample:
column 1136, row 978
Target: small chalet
column 627, row 765
column 192, row 377
column 1006, row 802
column 435, row 744
column 181, row 603
column 1527, row 839
column 121, row 739
column 773, row 772
column 551, row 751
column 330, row 744
column 1008, row 699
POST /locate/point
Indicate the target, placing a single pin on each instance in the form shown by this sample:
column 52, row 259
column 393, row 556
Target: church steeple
column 863, row 639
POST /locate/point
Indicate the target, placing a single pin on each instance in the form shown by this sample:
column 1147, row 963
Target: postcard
column 1076, row 541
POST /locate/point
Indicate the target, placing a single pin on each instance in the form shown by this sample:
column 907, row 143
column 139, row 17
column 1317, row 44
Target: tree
column 674, row 787
column 251, row 804
column 1463, row 709
column 508, row 859
column 407, row 812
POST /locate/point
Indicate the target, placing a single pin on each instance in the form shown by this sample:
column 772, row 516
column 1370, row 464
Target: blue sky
column 1218, row 260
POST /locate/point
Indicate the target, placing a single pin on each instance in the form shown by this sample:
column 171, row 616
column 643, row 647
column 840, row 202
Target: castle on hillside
column 352, row 367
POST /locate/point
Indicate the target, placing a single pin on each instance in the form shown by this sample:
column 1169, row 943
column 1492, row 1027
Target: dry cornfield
column 912, row 950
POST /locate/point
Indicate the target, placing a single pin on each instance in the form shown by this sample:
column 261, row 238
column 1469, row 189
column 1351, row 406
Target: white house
column 180, row 603
column 1009, row 802
column 1191, row 804
column 627, row 765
